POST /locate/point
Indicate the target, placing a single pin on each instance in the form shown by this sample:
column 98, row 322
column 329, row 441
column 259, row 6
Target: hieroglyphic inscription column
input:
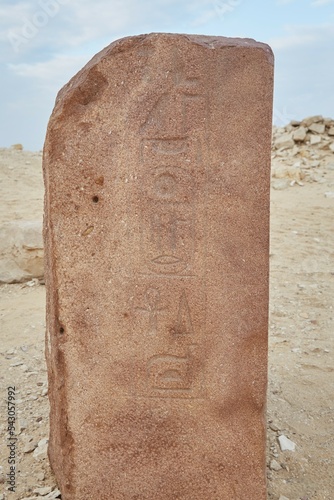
column 157, row 175
column 169, row 193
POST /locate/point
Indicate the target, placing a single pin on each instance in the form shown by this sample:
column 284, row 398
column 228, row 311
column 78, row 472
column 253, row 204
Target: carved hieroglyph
column 156, row 167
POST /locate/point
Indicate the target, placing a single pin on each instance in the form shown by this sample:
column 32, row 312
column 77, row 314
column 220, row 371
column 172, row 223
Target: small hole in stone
column 61, row 330
column 95, row 199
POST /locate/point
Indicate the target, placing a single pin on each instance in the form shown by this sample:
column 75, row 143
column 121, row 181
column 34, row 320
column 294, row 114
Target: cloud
column 210, row 9
column 321, row 3
column 292, row 40
column 285, row 2
column 27, row 26
column 52, row 74
column 302, row 36
column 304, row 76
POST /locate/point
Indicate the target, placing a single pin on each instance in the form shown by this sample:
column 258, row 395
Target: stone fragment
column 318, row 128
column 315, row 139
column 274, row 427
column 290, row 172
column 274, row 465
column 286, row 444
column 307, row 122
column 300, row 134
column 284, row 141
column 282, row 497
column 329, row 194
column 41, row 450
column 30, row 446
column 331, row 131
column 21, row 251
column 157, row 244
column 55, row 494
column 331, row 146
column 17, row 147
column 280, row 184
column 43, row 491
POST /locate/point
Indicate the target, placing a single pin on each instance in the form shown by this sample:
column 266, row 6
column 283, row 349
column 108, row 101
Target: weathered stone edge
column 126, row 43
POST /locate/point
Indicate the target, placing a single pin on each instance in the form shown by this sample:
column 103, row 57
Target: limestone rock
column 41, row 450
column 284, row 141
column 331, row 131
column 288, row 172
column 307, row 122
column 280, row 184
column 286, row 444
column 315, row 139
column 17, row 147
column 274, row 465
column 318, row 128
column 43, row 491
column 21, row 251
column 29, row 447
column 53, row 495
column 300, row 134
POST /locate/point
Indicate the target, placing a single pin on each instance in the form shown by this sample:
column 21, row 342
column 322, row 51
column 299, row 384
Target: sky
column 43, row 43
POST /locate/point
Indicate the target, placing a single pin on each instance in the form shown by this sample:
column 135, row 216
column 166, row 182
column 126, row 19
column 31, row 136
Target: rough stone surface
column 157, row 270
column 284, row 141
column 286, row 444
column 312, row 119
column 315, row 139
column 21, row 251
column 318, row 128
column 300, row 134
column 274, row 465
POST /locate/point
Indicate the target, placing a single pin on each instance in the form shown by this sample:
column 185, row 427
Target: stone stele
column 157, row 174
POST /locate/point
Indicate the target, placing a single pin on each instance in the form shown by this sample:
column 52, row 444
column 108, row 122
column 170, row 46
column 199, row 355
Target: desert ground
column 301, row 361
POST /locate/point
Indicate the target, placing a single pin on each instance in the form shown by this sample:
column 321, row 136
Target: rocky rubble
column 25, row 365
column 302, row 151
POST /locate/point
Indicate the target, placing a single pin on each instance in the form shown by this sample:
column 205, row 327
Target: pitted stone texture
column 156, row 165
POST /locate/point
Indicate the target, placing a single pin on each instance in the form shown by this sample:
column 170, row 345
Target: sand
column 301, row 373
